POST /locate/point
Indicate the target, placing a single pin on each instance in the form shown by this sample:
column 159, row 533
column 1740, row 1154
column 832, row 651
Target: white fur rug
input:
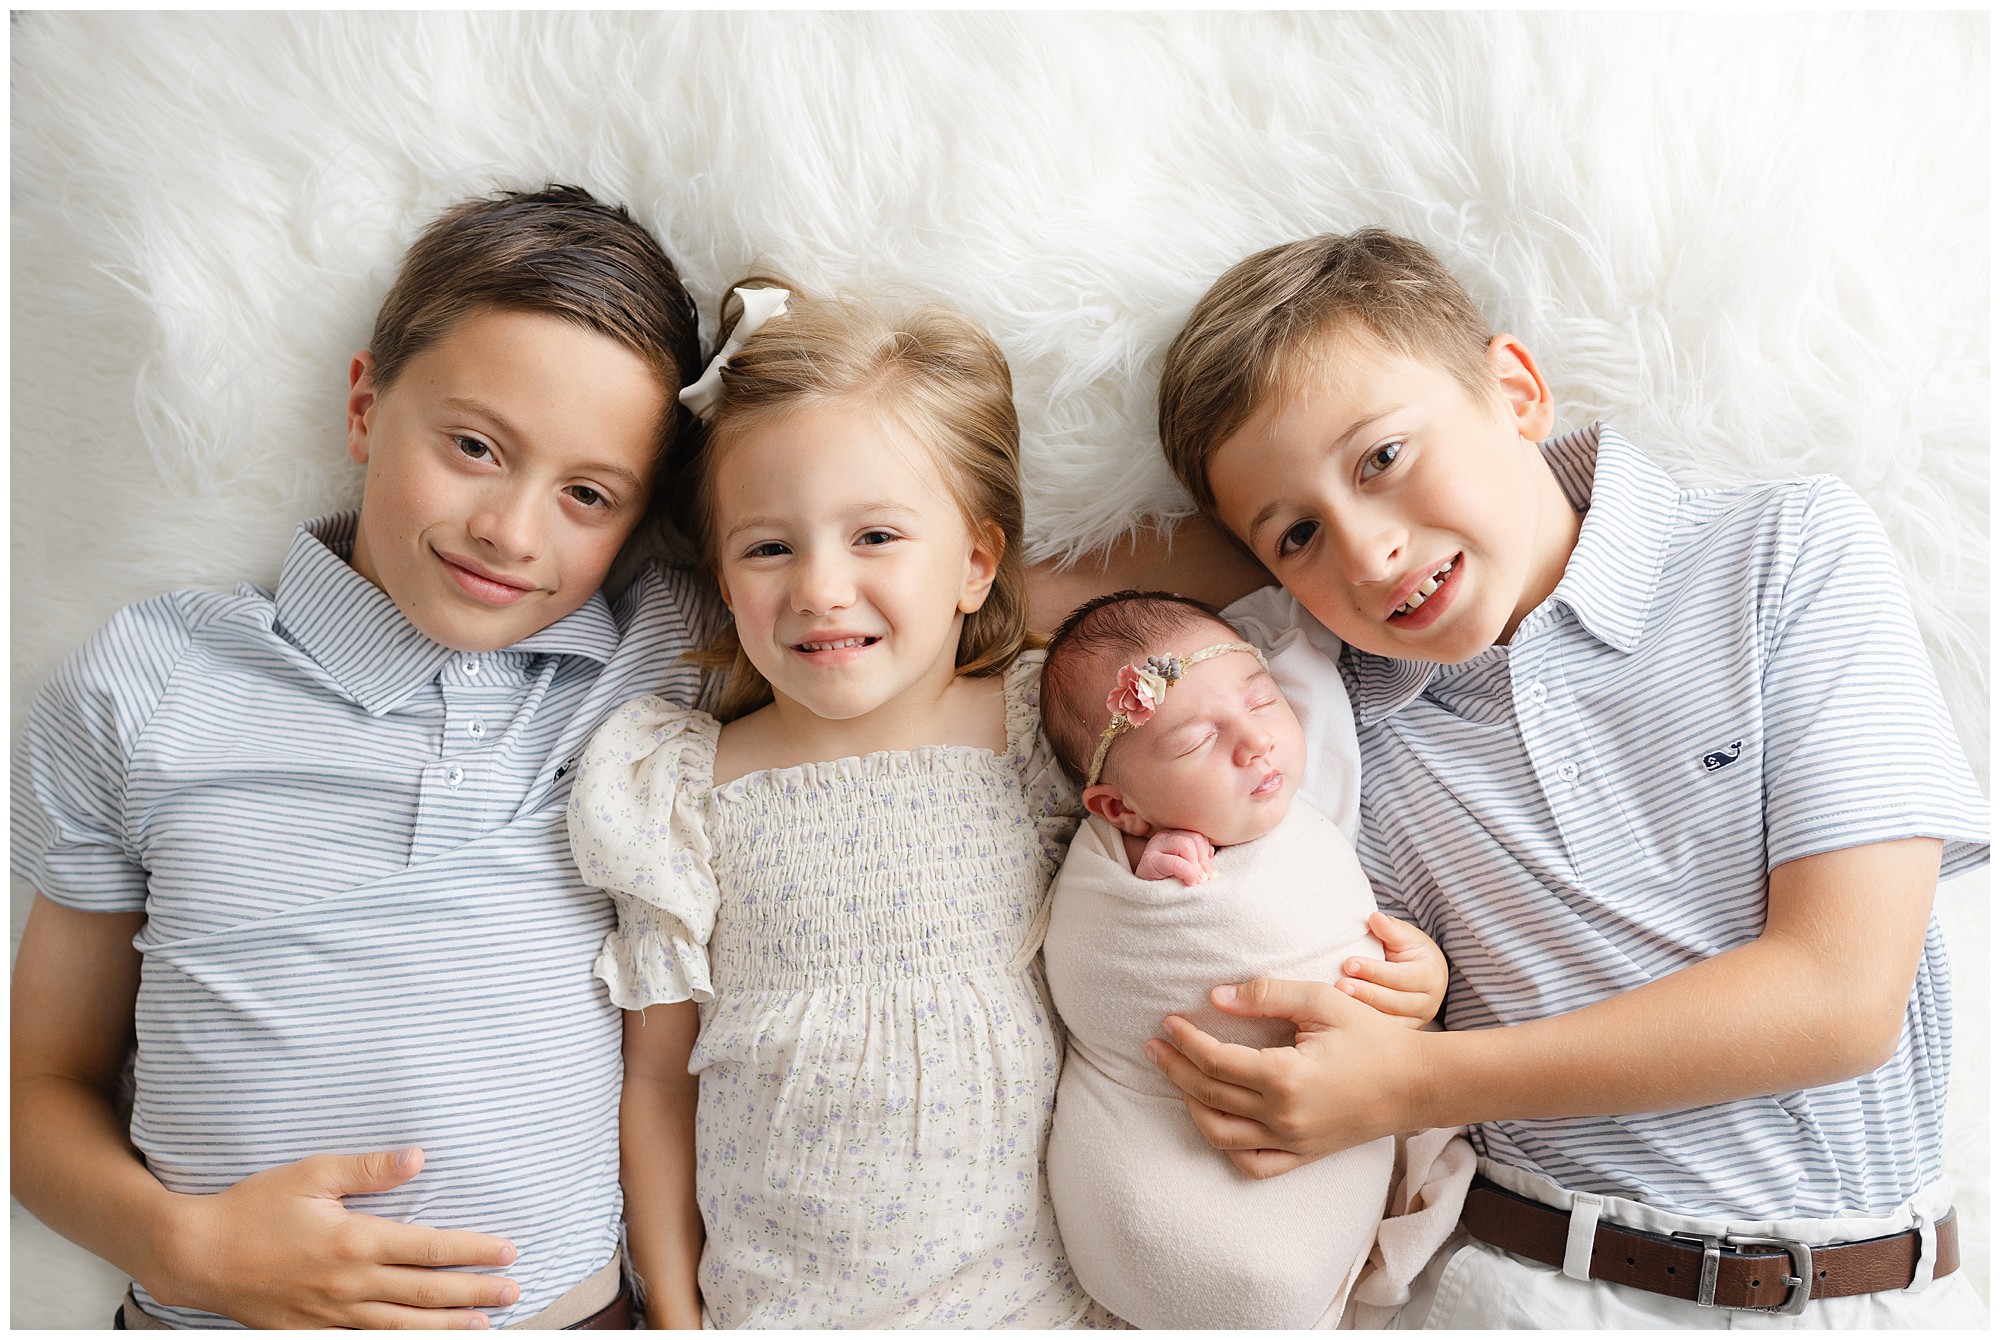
column 1759, row 245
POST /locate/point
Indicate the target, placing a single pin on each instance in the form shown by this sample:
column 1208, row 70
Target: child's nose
column 823, row 585
column 508, row 523
column 1368, row 549
column 1252, row 744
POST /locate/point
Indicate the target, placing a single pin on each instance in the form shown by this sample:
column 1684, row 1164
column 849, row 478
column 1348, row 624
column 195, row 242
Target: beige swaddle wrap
column 1160, row 1227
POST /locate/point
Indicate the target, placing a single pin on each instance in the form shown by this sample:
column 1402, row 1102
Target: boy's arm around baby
column 1863, row 776
column 277, row 1249
column 1816, row 998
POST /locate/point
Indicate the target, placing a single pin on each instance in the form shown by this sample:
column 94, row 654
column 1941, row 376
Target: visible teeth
column 1430, row 585
column 833, row 646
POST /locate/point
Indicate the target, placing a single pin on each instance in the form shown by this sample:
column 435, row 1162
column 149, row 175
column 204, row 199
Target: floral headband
column 759, row 306
column 1143, row 687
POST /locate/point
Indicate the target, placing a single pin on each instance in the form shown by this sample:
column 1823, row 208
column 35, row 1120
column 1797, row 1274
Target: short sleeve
column 636, row 830
column 1304, row 656
column 1859, row 747
column 71, row 830
column 1053, row 802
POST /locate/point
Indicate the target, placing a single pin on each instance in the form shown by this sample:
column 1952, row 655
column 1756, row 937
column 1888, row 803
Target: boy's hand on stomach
column 1409, row 983
column 279, row 1250
column 1347, row 1079
column 1177, row 853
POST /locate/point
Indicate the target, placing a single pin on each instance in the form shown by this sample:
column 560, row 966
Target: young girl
column 840, row 864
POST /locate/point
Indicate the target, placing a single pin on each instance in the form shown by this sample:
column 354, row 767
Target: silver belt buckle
column 1798, row 1286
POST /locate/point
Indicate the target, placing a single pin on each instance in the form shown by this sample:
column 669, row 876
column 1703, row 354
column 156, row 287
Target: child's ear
column 981, row 566
column 360, row 404
column 1107, row 802
column 1525, row 395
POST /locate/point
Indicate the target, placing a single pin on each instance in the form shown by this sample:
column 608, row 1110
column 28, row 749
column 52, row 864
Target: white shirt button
column 1566, row 771
column 470, row 665
column 1538, row 692
column 454, row 777
column 476, row 729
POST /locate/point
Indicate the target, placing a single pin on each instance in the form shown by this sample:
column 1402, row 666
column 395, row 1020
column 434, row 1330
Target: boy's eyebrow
column 467, row 405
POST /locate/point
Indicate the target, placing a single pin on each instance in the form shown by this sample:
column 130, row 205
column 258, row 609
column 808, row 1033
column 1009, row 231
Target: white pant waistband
column 1926, row 1207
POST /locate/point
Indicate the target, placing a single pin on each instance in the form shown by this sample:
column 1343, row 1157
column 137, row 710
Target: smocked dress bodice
column 877, row 1073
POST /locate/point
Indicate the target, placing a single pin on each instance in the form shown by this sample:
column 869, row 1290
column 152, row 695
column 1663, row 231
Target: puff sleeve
column 636, row 830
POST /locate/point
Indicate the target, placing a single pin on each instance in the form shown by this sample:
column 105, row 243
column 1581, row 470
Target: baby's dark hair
column 1101, row 633
column 558, row 251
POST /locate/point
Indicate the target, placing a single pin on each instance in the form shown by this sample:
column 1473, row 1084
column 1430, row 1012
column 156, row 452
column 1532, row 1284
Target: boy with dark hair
column 1665, row 772
column 305, row 846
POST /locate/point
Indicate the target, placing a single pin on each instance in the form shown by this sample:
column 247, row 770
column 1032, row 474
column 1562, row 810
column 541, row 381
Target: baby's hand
column 1409, row 984
column 1178, row 852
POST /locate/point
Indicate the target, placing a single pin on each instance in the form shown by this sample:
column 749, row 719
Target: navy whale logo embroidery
column 1722, row 758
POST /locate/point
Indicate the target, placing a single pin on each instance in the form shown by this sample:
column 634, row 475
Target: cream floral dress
column 876, row 1079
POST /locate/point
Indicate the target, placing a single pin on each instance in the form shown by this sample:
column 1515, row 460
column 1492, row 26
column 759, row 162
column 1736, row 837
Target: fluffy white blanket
column 1758, row 244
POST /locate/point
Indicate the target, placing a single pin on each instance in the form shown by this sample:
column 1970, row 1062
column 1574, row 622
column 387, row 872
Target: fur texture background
column 1757, row 244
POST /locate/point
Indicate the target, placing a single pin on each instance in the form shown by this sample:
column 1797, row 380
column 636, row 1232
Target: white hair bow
column 759, row 306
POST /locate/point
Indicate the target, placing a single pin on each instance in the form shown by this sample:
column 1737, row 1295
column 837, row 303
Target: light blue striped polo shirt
column 1724, row 680
column 364, row 928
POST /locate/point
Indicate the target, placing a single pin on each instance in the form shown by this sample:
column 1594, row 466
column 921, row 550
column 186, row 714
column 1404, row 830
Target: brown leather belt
column 615, row 1315
column 1734, row 1271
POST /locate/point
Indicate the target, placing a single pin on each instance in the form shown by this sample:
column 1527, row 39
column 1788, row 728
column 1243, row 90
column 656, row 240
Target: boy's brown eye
column 1382, row 458
column 471, row 447
column 587, row 495
column 1296, row 538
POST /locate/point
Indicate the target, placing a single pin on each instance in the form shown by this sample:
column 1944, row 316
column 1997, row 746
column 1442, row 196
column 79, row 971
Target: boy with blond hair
column 304, row 847
column 1665, row 772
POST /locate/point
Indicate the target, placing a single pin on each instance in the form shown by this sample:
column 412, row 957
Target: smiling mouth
column 1426, row 588
column 839, row 644
column 486, row 587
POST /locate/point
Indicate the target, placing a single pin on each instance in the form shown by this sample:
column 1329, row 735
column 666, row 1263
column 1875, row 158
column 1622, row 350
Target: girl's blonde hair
column 930, row 370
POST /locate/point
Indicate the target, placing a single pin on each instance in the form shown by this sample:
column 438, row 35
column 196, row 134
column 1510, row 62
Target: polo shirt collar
column 355, row 633
column 1628, row 505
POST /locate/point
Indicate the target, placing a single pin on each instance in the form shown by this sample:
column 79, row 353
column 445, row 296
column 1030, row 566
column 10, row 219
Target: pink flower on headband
column 1137, row 696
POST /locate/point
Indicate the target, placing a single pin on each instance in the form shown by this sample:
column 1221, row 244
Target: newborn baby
column 1195, row 868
